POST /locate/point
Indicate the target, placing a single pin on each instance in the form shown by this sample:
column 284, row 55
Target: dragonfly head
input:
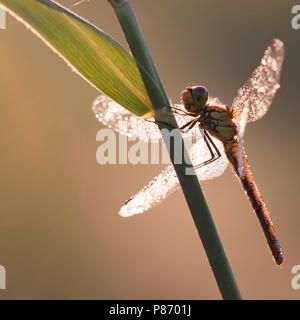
column 194, row 98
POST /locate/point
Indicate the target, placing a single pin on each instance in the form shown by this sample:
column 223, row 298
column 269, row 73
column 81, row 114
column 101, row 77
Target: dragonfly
column 221, row 130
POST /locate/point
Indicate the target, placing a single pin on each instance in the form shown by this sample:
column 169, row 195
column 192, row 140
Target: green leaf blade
column 99, row 59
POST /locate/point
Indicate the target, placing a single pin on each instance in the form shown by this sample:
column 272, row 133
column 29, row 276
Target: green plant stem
column 189, row 183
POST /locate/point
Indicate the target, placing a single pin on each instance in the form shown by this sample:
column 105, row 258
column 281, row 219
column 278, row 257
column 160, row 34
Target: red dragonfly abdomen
column 255, row 199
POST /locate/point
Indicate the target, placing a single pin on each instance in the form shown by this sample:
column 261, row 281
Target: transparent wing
column 152, row 194
column 240, row 149
column 259, row 90
column 114, row 116
column 167, row 182
column 119, row 119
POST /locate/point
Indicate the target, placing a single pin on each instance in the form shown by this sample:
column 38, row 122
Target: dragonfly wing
column 114, row 116
column 200, row 153
column 167, row 182
column 259, row 90
column 243, row 119
column 152, row 194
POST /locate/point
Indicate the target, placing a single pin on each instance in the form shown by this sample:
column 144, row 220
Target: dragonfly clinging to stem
column 222, row 128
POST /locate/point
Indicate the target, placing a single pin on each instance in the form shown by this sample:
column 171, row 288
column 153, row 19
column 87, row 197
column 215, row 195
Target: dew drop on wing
column 167, row 182
column 259, row 90
column 114, row 116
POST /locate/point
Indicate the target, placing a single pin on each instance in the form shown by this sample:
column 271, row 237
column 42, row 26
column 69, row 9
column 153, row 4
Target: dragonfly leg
column 183, row 112
column 210, row 144
column 213, row 144
column 189, row 124
column 156, row 122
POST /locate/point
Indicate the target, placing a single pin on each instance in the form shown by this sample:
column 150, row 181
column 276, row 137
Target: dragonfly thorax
column 219, row 122
column 194, row 98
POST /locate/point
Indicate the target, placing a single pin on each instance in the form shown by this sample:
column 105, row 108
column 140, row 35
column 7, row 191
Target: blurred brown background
column 60, row 233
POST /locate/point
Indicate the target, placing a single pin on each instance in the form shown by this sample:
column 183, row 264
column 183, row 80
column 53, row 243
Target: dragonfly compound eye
column 187, row 100
column 194, row 98
column 200, row 96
